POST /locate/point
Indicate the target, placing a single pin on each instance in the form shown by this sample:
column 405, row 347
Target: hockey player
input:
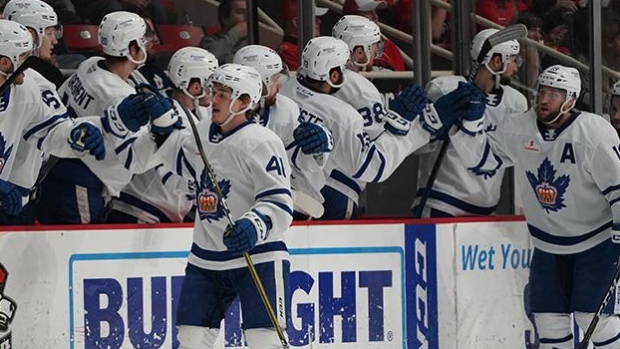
column 77, row 191
column 251, row 168
column 308, row 144
column 159, row 195
column 614, row 106
column 356, row 157
column 469, row 191
column 26, row 115
column 567, row 164
column 42, row 22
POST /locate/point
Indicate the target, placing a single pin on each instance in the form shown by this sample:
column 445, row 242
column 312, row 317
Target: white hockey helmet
column 118, row 29
column 321, row 55
column 561, row 77
column 191, row 63
column 265, row 60
column 242, row 80
column 357, row 31
column 15, row 40
column 505, row 49
column 34, row 14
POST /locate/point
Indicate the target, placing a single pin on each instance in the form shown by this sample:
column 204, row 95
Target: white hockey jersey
column 253, row 174
column 362, row 95
column 28, row 158
column 159, row 195
column 569, row 176
column 25, row 116
column 355, row 156
column 459, row 190
column 306, row 170
column 90, row 91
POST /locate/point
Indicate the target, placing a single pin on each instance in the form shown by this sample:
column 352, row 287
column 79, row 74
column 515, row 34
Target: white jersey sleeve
column 306, row 169
column 364, row 97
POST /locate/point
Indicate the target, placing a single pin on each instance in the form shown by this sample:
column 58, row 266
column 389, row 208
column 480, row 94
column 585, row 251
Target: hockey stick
column 305, row 204
column 513, row 32
column 246, row 256
column 597, row 316
column 11, row 79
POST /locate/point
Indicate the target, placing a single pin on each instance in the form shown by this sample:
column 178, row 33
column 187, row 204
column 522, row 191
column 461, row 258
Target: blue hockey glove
column 473, row 121
column 313, row 138
column 410, row 102
column 85, row 136
column 447, row 110
column 128, row 115
column 164, row 117
column 248, row 229
column 10, row 198
column 396, row 124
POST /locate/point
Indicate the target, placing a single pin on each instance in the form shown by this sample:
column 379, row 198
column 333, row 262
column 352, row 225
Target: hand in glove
column 128, row 115
column 410, row 102
column 85, row 136
column 10, row 198
column 248, row 229
column 313, row 138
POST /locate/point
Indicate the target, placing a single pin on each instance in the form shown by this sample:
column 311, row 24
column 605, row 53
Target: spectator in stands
column 534, row 24
column 404, row 9
column 391, row 58
column 557, row 35
column 232, row 17
column 502, row 12
column 289, row 49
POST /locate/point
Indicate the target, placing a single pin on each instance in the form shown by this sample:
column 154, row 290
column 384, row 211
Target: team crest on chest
column 207, row 201
column 549, row 190
column 5, row 152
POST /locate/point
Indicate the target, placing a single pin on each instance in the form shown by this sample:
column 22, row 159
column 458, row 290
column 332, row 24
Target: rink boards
column 413, row 284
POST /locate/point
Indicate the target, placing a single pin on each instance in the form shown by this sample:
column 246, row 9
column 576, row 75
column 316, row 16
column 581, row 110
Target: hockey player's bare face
column 48, row 41
column 614, row 112
column 6, row 66
column 549, row 101
column 222, row 103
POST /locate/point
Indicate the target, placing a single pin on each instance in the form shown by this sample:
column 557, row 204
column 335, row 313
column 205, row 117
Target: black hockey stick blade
column 513, row 32
column 9, row 81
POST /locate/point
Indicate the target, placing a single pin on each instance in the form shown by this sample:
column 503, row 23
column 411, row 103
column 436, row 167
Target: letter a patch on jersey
column 549, row 189
column 207, row 201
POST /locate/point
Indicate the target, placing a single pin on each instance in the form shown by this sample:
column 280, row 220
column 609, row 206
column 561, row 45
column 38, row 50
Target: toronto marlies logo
column 7, row 311
column 5, row 153
column 549, row 189
column 209, row 205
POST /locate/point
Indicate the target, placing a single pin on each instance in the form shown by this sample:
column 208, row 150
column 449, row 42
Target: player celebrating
column 27, row 117
column 159, row 195
column 567, row 164
column 253, row 174
column 459, row 190
column 355, row 155
column 77, row 191
column 308, row 144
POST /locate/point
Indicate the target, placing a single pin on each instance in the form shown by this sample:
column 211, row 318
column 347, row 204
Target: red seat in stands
column 175, row 36
column 81, row 37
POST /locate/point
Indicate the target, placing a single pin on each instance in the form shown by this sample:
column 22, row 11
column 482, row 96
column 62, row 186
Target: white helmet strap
column 140, row 62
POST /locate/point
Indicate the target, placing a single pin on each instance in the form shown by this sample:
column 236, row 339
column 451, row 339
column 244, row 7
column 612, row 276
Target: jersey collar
column 215, row 135
column 551, row 134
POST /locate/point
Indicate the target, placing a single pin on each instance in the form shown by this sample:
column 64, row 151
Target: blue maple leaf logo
column 207, row 201
column 5, row 153
column 548, row 189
